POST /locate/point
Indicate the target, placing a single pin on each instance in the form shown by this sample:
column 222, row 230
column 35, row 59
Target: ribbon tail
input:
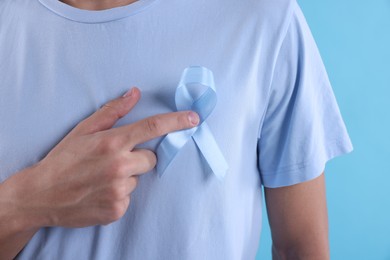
column 210, row 150
column 170, row 146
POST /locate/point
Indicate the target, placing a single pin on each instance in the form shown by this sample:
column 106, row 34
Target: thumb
column 106, row 117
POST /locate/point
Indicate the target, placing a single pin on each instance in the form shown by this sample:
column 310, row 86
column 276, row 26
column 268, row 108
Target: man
column 276, row 123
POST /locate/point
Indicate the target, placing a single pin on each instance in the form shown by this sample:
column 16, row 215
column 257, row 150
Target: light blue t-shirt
column 276, row 120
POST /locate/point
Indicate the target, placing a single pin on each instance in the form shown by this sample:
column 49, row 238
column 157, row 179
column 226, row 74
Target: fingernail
column 129, row 93
column 193, row 117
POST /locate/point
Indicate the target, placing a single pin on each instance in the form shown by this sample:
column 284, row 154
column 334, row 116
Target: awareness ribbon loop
column 196, row 92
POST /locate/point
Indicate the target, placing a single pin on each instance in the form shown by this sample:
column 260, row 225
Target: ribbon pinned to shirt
column 196, row 92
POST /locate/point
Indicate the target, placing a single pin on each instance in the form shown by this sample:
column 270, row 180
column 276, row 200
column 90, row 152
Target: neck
column 97, row 4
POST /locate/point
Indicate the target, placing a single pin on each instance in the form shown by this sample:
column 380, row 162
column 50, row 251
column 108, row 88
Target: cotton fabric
column 276, row 120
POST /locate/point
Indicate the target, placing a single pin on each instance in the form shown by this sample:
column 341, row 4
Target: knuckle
column 133, row 183
column 155, row 125
column 81, row 125
column 112, row 194
column 118, row 167
column 109, row 144
column 116, row 213
column 118, row 209
column 113, row 170
column 111, row 109
column 116, row 193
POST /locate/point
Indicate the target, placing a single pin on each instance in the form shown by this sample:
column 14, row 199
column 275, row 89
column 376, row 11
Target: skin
column 87, row 178
column 97, row 4
column 299, row 221
column 94, row 162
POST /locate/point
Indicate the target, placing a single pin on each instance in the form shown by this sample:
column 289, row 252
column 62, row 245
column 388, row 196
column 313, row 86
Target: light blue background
column 354, row 41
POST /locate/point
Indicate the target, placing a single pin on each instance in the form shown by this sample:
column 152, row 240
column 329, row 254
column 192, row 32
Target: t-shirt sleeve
column 302, row 127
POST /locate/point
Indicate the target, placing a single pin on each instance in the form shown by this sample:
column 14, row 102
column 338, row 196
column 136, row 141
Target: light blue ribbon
column 196, row 92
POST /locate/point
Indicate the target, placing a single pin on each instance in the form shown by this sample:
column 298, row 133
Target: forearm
column 13, row 242
column 17, row 225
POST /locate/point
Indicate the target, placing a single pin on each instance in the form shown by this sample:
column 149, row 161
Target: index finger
column 155, row 126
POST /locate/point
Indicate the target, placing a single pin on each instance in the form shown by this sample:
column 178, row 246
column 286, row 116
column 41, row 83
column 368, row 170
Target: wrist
column 18, row 203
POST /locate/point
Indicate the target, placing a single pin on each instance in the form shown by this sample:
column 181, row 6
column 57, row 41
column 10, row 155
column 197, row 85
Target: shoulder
column 266, row 10
column 266, row 17
column 275, row 14
column 271, row 7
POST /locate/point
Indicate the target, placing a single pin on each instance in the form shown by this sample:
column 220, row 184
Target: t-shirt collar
column 91, row 16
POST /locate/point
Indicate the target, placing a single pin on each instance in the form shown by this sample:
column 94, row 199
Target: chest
column 53, row 80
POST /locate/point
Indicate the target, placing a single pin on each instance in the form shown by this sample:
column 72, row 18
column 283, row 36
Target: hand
column 88, row 177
